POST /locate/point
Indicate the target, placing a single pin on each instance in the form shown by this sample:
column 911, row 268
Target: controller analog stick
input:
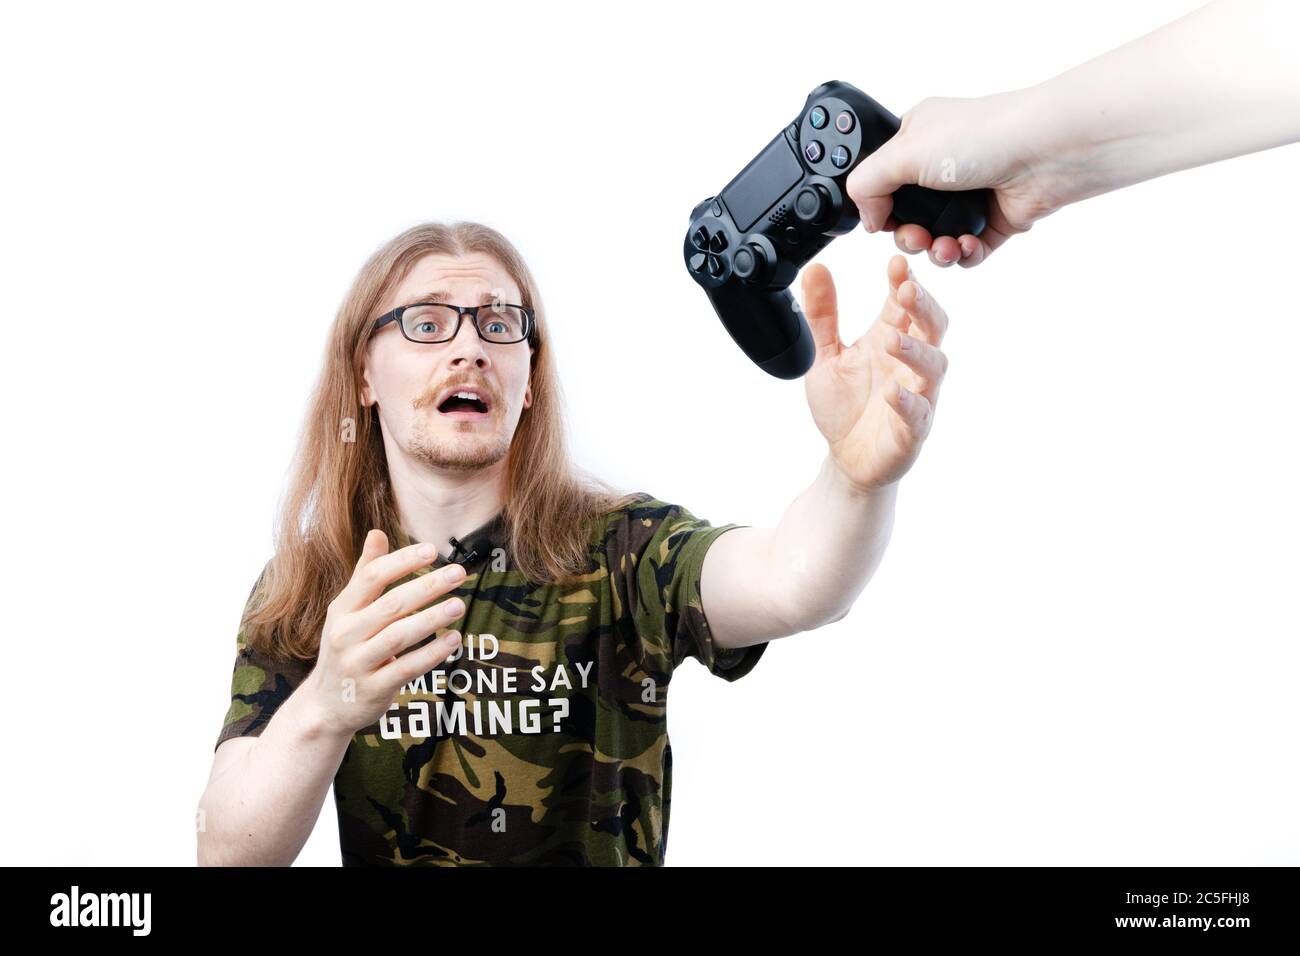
column 749, row 261
column 812, row 204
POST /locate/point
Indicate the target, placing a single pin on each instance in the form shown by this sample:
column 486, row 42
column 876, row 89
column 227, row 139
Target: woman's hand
column 874, row 400
column 949, row 143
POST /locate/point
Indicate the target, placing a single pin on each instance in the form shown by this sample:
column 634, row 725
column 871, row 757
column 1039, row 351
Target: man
column 523, row 720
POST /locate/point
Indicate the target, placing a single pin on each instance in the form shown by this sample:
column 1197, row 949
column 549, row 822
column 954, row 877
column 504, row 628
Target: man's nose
column 467, row 343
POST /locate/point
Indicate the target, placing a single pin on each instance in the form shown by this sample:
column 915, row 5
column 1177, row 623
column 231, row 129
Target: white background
column 1081, row 645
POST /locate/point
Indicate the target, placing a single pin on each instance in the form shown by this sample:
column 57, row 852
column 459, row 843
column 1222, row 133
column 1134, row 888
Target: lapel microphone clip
column 457, row 546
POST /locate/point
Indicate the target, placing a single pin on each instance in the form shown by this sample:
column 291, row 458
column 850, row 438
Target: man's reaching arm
column 874, row 403
column 758, row 584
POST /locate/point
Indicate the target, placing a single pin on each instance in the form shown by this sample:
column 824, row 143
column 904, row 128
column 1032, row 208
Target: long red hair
column 339, row 487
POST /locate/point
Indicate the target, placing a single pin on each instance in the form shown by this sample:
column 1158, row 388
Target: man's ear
column 528, row 396
column 367, row 396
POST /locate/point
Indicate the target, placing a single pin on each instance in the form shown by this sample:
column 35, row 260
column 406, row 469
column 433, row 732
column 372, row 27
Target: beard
column 462, row 446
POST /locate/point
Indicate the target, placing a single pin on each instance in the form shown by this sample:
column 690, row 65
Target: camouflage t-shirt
column 544, row 741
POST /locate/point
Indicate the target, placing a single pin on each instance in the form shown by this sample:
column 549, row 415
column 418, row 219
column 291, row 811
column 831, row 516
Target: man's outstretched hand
column 874, row 400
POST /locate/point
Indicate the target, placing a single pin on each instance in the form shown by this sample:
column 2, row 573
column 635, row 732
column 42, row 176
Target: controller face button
column 814, row 151
column 700, row 238
column 844, row 122
column 697, row 262
column 715, row 267
column 818, row 117
column 840, row 155
column 718, row 242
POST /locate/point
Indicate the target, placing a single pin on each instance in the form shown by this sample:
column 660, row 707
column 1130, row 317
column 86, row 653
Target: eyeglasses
column 427, row 322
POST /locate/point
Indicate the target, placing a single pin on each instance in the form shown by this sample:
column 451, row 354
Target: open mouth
column 464, row 405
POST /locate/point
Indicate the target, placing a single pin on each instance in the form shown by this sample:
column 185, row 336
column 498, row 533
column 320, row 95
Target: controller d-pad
column 709, row 258
column 701, row 262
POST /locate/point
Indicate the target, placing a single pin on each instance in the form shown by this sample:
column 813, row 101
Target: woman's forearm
column 260, row 810
column 1222, row 81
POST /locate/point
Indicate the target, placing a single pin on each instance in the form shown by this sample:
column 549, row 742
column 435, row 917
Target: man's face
column 408, row 379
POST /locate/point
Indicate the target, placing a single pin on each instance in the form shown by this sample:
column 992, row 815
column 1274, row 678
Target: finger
column 819, row 307
column 930, row 318
column 897, row 271
column 407, row 598
column 944, row 251
column 911, row 238
column 913, row 409
column 998, row 230
column 378, row 568
column 929, row 363
column 375, row 544
column 972, row 251
column 420, row 660
column 403, row 633
column 873, row 181
column 980, row 247
column 892, row 312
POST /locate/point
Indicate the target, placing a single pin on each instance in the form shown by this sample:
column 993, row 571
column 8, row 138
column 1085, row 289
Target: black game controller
column 746, row 245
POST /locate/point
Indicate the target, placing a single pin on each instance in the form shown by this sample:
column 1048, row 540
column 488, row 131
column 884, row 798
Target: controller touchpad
column 763, row 181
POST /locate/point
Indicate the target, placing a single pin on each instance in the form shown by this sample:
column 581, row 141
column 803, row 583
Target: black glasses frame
column 461, row 311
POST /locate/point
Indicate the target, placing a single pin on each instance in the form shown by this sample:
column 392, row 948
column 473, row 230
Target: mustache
column 430, row 398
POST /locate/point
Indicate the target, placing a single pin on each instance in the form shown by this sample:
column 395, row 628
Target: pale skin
column 1221, row 81
column 873, row 402
column 447, row 475
column 264, row 793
